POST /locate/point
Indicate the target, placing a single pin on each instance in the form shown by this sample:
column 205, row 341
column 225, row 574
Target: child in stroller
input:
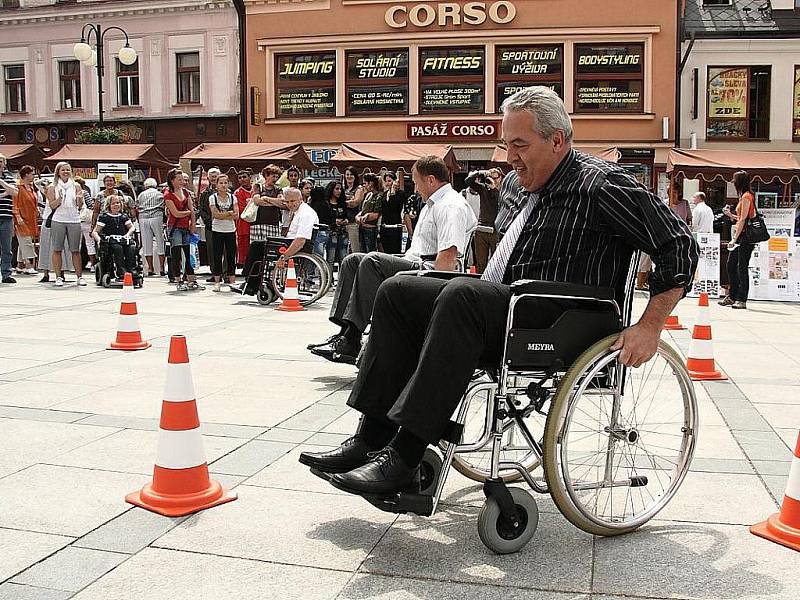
column 113, row 233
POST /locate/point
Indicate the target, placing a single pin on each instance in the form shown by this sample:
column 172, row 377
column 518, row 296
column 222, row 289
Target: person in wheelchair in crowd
column 302, row 220
column 443, row 231
column 115, row 229
column 580, row 222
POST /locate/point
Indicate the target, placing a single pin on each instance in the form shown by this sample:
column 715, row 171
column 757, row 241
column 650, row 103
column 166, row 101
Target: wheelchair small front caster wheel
column 265, row 297
column 106, row 280
column 502, row 537
column 429, row 470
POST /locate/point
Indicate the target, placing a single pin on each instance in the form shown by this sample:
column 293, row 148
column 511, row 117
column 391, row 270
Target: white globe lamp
column 82, row 51
column 127, row 55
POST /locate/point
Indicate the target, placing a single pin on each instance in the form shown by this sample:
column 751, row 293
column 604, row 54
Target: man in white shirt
column 301, row 223
column 440, row 238
column 702, row 215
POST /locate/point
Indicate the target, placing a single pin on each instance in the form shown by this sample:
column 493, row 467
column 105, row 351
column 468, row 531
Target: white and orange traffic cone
column 128, row 335
column 784, row 527
column 673, row 324
column 181, row 484
column 700, row 362
column 291, row 300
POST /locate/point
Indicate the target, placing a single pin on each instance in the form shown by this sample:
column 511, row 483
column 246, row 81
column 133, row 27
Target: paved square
column 78, row 430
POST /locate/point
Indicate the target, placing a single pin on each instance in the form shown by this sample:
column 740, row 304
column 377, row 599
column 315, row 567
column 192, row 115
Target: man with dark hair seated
column 580, row 222
column 443, row 230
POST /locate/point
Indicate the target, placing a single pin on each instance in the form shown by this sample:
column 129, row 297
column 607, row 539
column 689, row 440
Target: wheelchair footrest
column 404, row 502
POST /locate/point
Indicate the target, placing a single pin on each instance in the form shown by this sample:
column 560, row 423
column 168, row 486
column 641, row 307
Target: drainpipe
column 240, row 11
column 681, row 61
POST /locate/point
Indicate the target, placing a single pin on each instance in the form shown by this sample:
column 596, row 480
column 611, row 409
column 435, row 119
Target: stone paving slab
column 130, row 532
column 299, row 528
column 40, row 394
column 70, row 569
column 158, row 574
column 13, row 591
column 19, row 549
column 250, row 458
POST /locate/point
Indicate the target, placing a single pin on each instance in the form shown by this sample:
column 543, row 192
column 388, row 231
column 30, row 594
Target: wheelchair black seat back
column 105, row 271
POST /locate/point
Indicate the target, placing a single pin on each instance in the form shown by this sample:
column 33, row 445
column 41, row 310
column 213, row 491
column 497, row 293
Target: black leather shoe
column 384, row 475
column 351, row 454
column 339, row 351
column 326, row 350
column 325, row 343
column 9, row 279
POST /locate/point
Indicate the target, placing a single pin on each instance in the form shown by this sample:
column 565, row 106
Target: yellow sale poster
column 727, row 93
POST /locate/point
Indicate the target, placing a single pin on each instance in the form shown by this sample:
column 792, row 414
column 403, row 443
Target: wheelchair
column 105, row 272
column 267, row 282
column 614, row 443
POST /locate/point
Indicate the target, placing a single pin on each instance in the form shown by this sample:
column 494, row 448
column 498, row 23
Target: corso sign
column 458, row 130
column 472, row 13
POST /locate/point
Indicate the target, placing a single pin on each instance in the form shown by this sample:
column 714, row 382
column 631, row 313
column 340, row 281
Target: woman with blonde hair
column 65, row 197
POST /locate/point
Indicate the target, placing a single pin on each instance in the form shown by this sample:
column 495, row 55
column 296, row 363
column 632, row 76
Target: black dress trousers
column 428, row 336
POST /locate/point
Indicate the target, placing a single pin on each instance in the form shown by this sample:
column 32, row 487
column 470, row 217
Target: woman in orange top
column 739, row 256
column 25, row 221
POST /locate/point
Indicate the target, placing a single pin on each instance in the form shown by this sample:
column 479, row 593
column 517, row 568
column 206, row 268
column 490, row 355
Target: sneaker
column 81, row 282
column 31, row 271
column 739, row 305
column 91, row 268
column 194, row 286
column 59, row 282
column 9, row 279
column 217, row 287
column 726, row 301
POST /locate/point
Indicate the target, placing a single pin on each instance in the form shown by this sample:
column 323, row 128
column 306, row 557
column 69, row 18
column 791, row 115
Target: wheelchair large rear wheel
column 476, row 464
column 618, row 441
column 311, row 278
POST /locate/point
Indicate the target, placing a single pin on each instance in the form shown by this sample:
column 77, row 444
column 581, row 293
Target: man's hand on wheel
column 638, row 344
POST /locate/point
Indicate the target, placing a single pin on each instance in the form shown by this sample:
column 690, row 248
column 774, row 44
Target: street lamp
column 93, row 57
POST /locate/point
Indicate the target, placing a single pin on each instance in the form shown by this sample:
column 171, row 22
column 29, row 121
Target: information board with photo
column 706, row 278
column 775, row 270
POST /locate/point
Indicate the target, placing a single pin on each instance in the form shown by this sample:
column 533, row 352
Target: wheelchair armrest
column 428, row 257
column 443, row 274
column 559, row 288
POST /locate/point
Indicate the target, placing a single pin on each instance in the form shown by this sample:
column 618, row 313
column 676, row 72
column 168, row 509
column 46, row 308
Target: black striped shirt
column 590, row 217
column 6, row 201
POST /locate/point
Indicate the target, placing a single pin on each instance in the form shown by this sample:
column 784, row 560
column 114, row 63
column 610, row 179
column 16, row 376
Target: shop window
column 377, row 82
column 796, row 105
column 69, row 75
column 609, row 78
column 127, row 84
column 452, row 80
column 14, row 76
column 519, row 67
column 738, row 103
column 305, row 84
column 188, row 72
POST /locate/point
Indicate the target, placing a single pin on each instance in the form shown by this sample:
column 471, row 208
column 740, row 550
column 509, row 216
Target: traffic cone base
column 673, row 324
column 128, row 335
column 171, row 503
column 784, row 527
column 773, row 530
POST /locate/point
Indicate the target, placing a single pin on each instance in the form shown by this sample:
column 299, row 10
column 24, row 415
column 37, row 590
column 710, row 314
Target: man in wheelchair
column 115, row 229
column 443, row 231
column 301, row 225
column 581, row 221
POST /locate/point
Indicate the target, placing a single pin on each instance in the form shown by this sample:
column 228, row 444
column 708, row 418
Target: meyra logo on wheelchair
column 609, row 443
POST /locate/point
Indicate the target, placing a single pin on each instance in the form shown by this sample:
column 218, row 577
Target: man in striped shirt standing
column 7, row 183
column 567, row 217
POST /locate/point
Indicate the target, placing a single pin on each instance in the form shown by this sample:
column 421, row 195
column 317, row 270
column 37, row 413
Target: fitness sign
column 454, row 130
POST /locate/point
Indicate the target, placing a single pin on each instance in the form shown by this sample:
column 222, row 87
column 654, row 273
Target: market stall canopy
column 709, row 165
column 140, row 155
column 375, row 156
column 610, row 154
column 18, row 155
column 250, row 155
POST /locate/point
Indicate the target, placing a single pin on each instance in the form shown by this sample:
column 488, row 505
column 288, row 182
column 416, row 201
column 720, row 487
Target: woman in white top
column 224, row 213
column 65, row 197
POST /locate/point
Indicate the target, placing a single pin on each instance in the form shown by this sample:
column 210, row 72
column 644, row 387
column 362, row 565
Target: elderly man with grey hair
column 578, row 221
column 150, row 207
column 302, row 220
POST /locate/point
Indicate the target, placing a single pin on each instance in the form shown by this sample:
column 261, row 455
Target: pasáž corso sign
column 453, row 130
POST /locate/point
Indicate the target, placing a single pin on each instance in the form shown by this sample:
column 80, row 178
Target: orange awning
column 709, row 165
column 392, row 156
column 22, row 154
column 140, row 155
column 253, row 155
column 609, row 154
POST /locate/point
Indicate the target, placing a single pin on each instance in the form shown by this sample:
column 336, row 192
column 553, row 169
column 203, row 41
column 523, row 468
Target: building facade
column 740, row 85
column 182, row 90
column 323, row 72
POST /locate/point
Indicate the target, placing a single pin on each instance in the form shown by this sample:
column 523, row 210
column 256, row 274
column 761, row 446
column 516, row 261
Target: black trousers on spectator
column 428, row 336
column 224, row 245
column 124, row 257
column 738, row 273
column 181, row 265
column 392, row 239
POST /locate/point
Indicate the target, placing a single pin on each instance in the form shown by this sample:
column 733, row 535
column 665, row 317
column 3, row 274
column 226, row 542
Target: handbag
column 250, row 212
column 86, row 214
column 754, row 231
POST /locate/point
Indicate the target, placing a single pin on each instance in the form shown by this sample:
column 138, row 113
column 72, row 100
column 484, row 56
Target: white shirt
column 702, row 218
column 473, row 199
column 445, row 221
column 222, row 205
column 303, row 221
